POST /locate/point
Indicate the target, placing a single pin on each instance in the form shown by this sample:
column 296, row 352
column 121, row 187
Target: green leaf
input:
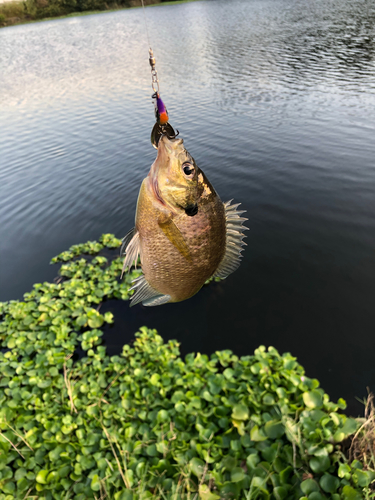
column 364, row 478
column 205, row 493
column 95, row 320
column 313, row 399
column 349, row 493
column 344, row 471
column 229, row 462
column 329, row 483
column 280, row 492
column 197, row 466
column 240, row 412
column 349, row 427
column 237, row 474
column 9, row 488
column 41, row 477
column 274, row 429
column 151, row 450
column 320, row 464
column 316, row 495
column 95, row 483
column 256, row 434
column 308, row 486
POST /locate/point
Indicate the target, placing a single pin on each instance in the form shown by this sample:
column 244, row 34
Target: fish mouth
column 170, row 145
column 166, row 148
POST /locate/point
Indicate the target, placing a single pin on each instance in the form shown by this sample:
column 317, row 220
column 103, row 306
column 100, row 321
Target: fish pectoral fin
column 146, row 294
column 174, row 235
column 131, row 249
column 125, row 241
column 234, row 236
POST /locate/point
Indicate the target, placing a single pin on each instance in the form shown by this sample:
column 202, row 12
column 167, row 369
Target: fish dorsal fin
column 131, row 249
column 174, row 235
column 146, row 294
column 234, row 240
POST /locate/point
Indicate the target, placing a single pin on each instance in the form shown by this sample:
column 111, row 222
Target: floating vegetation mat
column 146, row 423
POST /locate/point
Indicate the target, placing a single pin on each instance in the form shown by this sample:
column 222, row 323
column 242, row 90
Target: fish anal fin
column 234, row 241
column 174, row 235
column 131, row 248
column 157, row 301
column 146, row 294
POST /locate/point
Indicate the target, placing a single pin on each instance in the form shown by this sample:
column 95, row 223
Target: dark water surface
column 275, row 100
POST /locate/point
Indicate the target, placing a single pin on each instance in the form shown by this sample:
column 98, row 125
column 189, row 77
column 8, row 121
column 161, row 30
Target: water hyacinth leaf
column 320, row 464
column 229, row 462
column 108, row 317
column 163, row 416
column 154, row 380
column 206, row 494
column 237, row 474
column 95, row 320
column 229, row 490
column 9, row 488
column 329, row 483
column 344, row 471
column 151, row 450
column 316, row 495
column 280, row 492
column 274, row 429
column 313, row 399
column 349, row 427
column 41, row 477
column 308, row 486
column 125, row 495
column 260, row 484
column 257, row 434
column 240, row 412
column 363, row 478
column 268, row 399
column 238, row 424
column 252, row 461
column 95, row 483
column 129, row 476
column 285, row 474
column 349, row 493
column 197, row 467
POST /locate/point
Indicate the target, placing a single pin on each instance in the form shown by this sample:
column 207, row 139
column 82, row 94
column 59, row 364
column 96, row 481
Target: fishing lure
column 161, row 113
column 162, row 126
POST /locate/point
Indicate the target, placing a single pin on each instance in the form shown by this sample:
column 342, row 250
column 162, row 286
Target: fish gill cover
column 146, row 423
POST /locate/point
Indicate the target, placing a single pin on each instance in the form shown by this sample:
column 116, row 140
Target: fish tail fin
column 234, row 240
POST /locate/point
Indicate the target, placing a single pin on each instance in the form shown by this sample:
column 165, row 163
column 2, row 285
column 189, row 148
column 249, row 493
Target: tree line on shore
column 28, row 10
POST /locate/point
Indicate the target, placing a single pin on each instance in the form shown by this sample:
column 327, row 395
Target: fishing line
column 161, row 127
column 144, row 16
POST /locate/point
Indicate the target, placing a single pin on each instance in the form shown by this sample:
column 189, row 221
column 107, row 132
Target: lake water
column 275, row 99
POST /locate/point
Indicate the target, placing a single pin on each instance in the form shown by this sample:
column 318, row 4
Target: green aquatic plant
column 146, row 423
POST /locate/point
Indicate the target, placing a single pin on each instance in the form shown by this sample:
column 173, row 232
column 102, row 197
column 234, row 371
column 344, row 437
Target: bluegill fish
column 184, row 234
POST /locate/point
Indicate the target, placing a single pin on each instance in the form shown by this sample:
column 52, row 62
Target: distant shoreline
column 15, row 7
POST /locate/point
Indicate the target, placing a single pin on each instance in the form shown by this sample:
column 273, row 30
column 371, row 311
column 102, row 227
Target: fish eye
column 188, row 170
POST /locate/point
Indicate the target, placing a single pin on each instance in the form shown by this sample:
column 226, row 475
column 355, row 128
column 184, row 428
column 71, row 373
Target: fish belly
column 165, row 267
